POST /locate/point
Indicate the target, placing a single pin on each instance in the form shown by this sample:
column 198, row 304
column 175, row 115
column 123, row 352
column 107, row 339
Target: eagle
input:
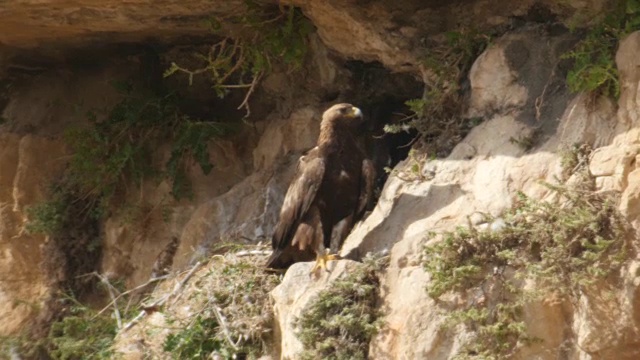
column 329, row 193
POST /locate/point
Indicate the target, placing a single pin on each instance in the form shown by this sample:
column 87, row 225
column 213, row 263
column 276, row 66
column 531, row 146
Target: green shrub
column 340, row 322
column 119, row 149
column 564, row 247
column 236, row 317
column 198, row 340
column 594, row 69
column 48, row 217
column 81, row 335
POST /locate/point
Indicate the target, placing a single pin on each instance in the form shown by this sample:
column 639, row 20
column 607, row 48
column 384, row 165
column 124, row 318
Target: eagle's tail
column 279, row 260
column 283, row 258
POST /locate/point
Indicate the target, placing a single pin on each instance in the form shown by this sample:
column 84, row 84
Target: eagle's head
column 344, row 114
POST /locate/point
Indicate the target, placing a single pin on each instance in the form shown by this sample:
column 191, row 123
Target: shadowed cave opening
column 382, row 95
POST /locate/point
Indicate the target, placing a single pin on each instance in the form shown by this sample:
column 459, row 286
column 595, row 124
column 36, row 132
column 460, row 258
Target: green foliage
column 237, row 317
column 118, row 149
column 415, row 172
column 563, row 247
column 417, row 106
column 574, row 158
column 594, row 69
column 17, row 347
column 498, row 330
column 82, row 335
column 48, row 217
column 339, row 323
column 267, row 35
column 74, row 242
column 197, row 340
column 449, row 63
column 280, row 35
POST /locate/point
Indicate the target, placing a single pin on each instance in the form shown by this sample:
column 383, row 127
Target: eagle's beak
column 355, row 112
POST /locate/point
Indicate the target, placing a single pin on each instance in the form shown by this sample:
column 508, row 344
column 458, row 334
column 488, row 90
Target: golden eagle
column 329, row 193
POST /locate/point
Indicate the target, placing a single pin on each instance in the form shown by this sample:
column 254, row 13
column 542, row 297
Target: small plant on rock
column 438, row 115
column 341, row 321
column 118, row 148
column 49, row 217
column 594, row 69
column 563, row 247
column 78, row 332
column 82, row 335
column 235, row 316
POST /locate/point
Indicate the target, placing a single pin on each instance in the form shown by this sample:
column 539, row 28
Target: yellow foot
column 321, row 262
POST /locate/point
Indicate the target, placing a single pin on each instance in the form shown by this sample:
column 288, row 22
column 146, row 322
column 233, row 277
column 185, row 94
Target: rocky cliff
column 517, row 131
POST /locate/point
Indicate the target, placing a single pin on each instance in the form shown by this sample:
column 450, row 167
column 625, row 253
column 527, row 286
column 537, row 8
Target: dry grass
column 229, row 310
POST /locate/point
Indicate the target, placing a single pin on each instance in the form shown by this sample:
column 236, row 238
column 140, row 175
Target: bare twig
column 245, row 102
column 113, row 301
column 134, row 320
column 252, row 253
column 110, row 289
column 238, row 63
column 164, row 299
column 179, row 285
column 223, row 325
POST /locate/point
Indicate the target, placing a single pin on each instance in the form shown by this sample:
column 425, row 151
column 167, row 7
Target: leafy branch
column 271, row 35
column 594, row 69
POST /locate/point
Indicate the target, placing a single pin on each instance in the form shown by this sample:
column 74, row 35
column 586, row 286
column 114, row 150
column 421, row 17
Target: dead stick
column 223, row 325
column 113, row 299
column 129, row 292
column 164, row 299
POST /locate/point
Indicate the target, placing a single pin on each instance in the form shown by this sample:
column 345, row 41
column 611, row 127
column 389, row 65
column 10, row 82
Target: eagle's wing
column 343, row 227
column 366, row 187
column 300, row 195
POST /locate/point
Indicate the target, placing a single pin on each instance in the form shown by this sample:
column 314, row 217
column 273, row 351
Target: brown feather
column 299, row 197
column 366, row 185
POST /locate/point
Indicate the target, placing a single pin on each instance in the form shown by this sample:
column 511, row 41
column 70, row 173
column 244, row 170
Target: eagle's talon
column 321, row 262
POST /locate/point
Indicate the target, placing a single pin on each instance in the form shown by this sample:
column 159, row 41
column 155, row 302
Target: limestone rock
column 28, row 164
column 627, row 62
column 295, row 134
column 494, row 85
column 486, row 183
column 352, row 31
column 615, row 163
column 295, row 292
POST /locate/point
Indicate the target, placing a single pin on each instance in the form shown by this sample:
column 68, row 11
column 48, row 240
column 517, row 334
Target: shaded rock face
column 237, row 204
column 394, row 38
column 29, row 24
column 238, row 201
column 28, row 164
